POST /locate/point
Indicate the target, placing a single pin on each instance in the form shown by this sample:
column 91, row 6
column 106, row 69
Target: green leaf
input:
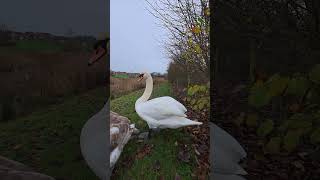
column 252, row 120
column 315, row 74
column 291, row 140
column 191, row 91
column 304, row 126
column 201, row 105
column 259, row 96
column 200, row 20
column 277, row 85
column 297, row 86
column 315, row 136
column 273, row 145
column 265, row 128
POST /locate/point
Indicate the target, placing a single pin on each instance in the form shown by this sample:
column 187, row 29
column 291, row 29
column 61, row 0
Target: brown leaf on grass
column 144, row 151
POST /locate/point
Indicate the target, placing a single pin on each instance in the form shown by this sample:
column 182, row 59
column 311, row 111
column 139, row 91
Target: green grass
column 121, row 76
column 48, row 140
column 38, row 45
column 164, row 149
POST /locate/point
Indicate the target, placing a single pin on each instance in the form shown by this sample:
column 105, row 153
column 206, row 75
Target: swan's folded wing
column 161, row 108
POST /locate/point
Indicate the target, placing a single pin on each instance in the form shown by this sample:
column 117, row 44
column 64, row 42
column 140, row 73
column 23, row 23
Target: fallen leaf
column 144, row 151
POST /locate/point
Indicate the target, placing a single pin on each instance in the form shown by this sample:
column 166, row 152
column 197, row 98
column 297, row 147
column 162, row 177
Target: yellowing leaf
column 207, row 12
column 277, row 85
column 197, row 49
column 196, row 30
column 297, row 86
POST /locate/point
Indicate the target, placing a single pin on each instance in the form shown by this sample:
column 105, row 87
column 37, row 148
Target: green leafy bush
column 198, row 97
column 297, row 98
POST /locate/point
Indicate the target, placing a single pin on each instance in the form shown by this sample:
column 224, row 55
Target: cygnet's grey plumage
column 226, row 154
column 94, row 142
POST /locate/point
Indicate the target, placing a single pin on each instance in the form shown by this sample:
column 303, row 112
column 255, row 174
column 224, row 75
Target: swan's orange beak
column 140, row 77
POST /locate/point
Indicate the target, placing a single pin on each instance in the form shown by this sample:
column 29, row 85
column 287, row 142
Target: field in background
column 124, row 76
column 48, row 139
column 121, row 86
column 42, row 72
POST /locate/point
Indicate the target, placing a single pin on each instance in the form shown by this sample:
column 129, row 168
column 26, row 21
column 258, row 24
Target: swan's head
column 144, row 76
column 100, row 48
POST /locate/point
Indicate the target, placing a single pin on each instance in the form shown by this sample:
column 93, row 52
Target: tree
column 188, row 24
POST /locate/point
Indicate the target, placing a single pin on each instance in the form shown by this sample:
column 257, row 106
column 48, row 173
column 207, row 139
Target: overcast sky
column 135, row 38
column 84, row 17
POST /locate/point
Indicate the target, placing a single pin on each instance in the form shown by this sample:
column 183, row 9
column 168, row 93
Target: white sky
column 135, row 38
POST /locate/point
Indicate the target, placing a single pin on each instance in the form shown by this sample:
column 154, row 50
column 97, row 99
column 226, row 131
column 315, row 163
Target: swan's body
column 227, row 153
column 162, row 112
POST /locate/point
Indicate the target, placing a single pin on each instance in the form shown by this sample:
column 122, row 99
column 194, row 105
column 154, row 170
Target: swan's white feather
column 162, row 112
column 176, row 122
column 161, row 108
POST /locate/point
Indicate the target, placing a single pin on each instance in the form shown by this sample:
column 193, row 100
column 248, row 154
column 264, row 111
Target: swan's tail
column 177, row 122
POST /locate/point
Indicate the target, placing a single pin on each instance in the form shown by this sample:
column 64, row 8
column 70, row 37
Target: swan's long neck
column 148, row 90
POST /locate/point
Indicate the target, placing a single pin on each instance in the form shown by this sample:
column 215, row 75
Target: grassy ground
column 48, row 140
column 161, row 161
column 44, row 46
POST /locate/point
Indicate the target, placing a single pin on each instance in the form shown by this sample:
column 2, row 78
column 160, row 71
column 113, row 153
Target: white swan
column 162, row 112
column 225, row 156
